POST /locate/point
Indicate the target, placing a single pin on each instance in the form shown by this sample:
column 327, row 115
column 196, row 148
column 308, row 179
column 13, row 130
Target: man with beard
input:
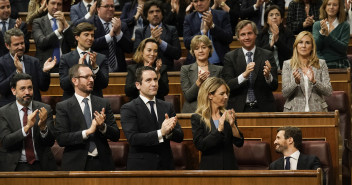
column 84, row 123
column 16, row 62
column 149, row 125
column 165, row 35
column 84, row 35
column 24, row 134
column 289, row 142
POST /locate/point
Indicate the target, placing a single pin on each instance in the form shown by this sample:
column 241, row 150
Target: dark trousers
column 23, row 166
column 93, row 164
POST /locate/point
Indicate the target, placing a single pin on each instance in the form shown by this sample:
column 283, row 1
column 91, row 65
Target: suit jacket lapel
column 193, row 72
column 241, row 60
column 303, row 88
column 144, row 110
column 161, row 113
column 10, row 64
column 147, row 32
column 301, row 161
column 83, row 8
column 15, row 117
column 27, row 65
column 258, row 62
column 310, row 85
column 47, row 25
column 212, row 70
column 74, row 104
column 12, row 23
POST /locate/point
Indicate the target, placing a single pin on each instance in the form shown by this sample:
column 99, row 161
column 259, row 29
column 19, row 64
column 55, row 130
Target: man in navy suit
column 166, row 35
column 250, row 72
column 213, row 23
column 82, row 11
column 111, row 37
column 84, row 124
column 16, row 62
column 149, row 125
column 5, row 20
column 84, row 34
column 288, row 142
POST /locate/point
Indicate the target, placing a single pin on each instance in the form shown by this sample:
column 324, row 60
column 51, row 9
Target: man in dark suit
column 149, row 125
column 25, row 138
column 84, row 34
column 289, row 142
column 250, row 72
column 16, row 62
column 52, row 34
column 7, row 23
column 111, row 37
column 84, row 123
column 254, row 10
column 213, row 23
column 166, row 36
column 82, row 11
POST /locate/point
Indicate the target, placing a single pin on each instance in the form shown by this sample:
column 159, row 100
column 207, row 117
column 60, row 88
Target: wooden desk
column 340, row 81
column 257, row 177
column 263, row 126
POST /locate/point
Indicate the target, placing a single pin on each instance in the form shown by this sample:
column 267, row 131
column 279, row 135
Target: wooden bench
column 257, row 177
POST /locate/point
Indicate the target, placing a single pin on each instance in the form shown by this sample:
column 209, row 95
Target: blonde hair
column 138, row 55
column 313, row 60
column 209, row 86
column 341, row 14
column 201, row 39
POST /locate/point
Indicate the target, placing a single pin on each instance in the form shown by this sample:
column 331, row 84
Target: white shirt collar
column 80, row 51
column 86, row 4
column 19, row 106
column 7, row 20
column 145, row 99
column 80, row 98
column 295, row 155
column 21, row 59
column 335, row 23
column 245, row 51
column 49, row 16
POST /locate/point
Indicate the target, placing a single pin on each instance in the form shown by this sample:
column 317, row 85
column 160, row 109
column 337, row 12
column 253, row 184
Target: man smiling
column 84, row 35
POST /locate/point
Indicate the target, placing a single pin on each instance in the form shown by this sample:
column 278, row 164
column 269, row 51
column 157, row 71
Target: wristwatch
column 213, row 26
column 222, row 4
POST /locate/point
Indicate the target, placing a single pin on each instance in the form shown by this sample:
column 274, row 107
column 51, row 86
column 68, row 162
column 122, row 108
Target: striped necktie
column 112, row 53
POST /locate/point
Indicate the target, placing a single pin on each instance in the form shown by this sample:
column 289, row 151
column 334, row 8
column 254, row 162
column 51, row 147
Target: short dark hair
column 47, row 1
column 73, row 72
column 266, row 14
column 84, row 26
column 293, row 132
column 151, row 3
column 139, row 72
column 17, row 77
column 99, row 3
column 244, row 23
column 10, row 33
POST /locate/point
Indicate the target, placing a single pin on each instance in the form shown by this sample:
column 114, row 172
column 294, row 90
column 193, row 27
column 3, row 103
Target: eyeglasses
column 108, row 6
column 87, row 77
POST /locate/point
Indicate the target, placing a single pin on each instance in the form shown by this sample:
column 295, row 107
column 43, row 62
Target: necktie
column 28, row 141
column 88, row 6
column 56, row 52
column 251, row 96
column 288, row 164
column 85, row 59
column 88, row 118
column 112, row 57
column 3, row 27
column 152, row 112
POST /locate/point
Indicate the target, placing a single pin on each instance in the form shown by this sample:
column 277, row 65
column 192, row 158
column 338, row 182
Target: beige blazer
column 295, row 94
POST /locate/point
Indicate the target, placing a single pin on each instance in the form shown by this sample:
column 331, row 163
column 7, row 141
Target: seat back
column 179, row 152
column 119, row 152
column 57, row 152
column 115, row 102
column 253, row 155
column 52, row 101
column 321, row 149
column 174, row 100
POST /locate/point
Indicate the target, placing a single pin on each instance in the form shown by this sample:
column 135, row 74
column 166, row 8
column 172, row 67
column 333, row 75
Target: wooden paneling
column 257, row 177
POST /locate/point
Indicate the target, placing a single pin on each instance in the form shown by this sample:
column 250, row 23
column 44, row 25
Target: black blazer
column 169, row 35
column 146, row 153
column 124, row 45
column 23, row 28
column 130, row 86
column 221, row 33
column 284, row 44
column 69, row 125
column 305, row 162
column 216, row 147
column 235, row 64
column 102, row 77
column 40, row 80
column 11, row 138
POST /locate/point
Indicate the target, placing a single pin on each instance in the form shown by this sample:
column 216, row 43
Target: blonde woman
column 305, row 78
column 147, row 55
column 214, row 128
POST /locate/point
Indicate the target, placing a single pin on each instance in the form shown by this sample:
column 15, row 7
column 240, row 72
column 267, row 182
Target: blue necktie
column 56, row 51
column 3, row 27
column 251, row 96
column 288, row 164
column 152, row 112
column 112, row 56
column 88, row 118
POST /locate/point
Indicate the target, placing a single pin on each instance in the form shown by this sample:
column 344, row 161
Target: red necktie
column 28, row 141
